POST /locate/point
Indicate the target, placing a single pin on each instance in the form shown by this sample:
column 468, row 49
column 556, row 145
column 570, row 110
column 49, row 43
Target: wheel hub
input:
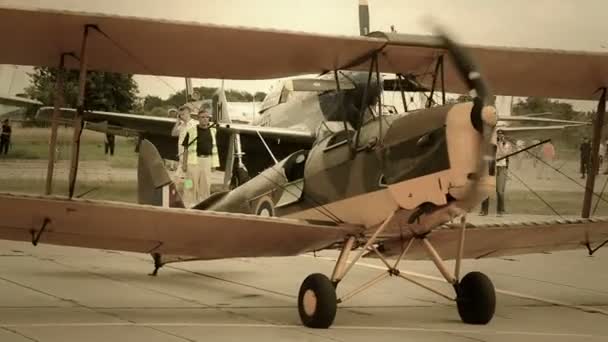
column 310, row 302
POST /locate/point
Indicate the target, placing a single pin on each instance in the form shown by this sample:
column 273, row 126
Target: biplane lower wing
column 486, row 241
column 147, row 229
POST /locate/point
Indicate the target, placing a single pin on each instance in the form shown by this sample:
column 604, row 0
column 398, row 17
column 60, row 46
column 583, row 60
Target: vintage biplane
column 387, row 186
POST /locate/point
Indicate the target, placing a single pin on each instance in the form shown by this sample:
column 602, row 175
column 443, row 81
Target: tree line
column 115, row 92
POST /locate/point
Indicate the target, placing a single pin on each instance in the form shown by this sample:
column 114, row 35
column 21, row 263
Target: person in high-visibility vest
column 186, row 131
column 207, row 153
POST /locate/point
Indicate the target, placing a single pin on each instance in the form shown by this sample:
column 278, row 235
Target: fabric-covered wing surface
column 510, row 239
column 146, row 229
column 149, row 46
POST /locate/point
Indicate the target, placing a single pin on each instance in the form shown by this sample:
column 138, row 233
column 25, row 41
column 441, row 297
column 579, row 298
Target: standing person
column 535, row 153
column 207, row 153
column 186, row 132
column 5, row 137
column 109, row 143
column 503, row 148
column 585, row 154
column 548, row 156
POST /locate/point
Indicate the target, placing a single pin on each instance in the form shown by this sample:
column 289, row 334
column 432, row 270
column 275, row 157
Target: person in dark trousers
column 503, row 148
column 5, row 138
column 585, row 150
column 110, row 140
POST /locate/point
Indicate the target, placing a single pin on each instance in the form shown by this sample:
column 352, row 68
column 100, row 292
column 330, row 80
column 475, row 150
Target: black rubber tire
column 326, row 304
column 476, row 299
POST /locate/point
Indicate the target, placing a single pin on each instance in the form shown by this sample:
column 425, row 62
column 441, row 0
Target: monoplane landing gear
column 475, row 298
column 317, row 302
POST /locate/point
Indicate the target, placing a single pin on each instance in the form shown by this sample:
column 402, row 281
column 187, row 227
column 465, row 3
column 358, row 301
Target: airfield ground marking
column 588, row 309
column 293, row 326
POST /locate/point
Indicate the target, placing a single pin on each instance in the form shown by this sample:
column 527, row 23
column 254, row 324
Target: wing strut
column 58, row 103
column 597, row 136
column 80, row 110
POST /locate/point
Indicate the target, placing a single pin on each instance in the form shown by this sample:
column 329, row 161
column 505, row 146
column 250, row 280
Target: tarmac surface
column 50, row 293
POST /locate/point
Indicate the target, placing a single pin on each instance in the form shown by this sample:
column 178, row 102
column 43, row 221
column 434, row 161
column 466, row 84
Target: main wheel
column 317, row 301
column 476, row 299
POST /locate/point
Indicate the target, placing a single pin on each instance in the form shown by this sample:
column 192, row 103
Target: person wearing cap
column 172, row 113
column 185, row 130
column 503, row 148
column 206, row 152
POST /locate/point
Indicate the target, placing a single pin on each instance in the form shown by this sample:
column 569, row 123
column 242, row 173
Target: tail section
column 154, row 185
column 219, row 110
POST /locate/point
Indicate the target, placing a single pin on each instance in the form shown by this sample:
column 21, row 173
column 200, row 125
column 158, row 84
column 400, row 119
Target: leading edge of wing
column 18, row 101
column 149, row 46
column 302, row 135
column 511, row 129
column 515, row 238
column 147, row 229
column 132, row 122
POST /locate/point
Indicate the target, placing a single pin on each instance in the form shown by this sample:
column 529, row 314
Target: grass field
column 112, row 191
column 32, row 143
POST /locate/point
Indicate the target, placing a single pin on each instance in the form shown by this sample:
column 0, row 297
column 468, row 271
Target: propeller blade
column 483, row 118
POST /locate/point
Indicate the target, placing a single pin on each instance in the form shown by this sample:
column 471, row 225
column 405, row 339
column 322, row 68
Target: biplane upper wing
column 502, row 239
column 149, row 46
column 147, row 229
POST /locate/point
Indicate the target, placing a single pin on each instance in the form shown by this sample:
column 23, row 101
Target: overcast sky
column 557, row 24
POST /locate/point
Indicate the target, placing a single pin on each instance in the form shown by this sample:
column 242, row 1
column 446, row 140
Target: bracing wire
column 565, row 175
column 601, row 193
column 329, row 214
column 132, row 56
column 326, row 212
column 511, row 173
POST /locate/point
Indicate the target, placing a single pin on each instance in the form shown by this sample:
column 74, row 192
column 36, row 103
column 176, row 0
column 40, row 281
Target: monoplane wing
column 147, row 229
column 149, row 46
column 493, row 240
column 17, row 101
column 158, row 129
column 301, row 135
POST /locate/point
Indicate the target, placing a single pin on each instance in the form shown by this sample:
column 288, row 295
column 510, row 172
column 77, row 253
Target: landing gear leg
column 158, row 263
column 475, row 295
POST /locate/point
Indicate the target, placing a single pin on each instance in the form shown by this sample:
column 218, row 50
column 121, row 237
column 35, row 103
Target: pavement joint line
column 227, row 310
column 587, row 309
column 552, row 283
column 18, row 333
column 294, row 326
